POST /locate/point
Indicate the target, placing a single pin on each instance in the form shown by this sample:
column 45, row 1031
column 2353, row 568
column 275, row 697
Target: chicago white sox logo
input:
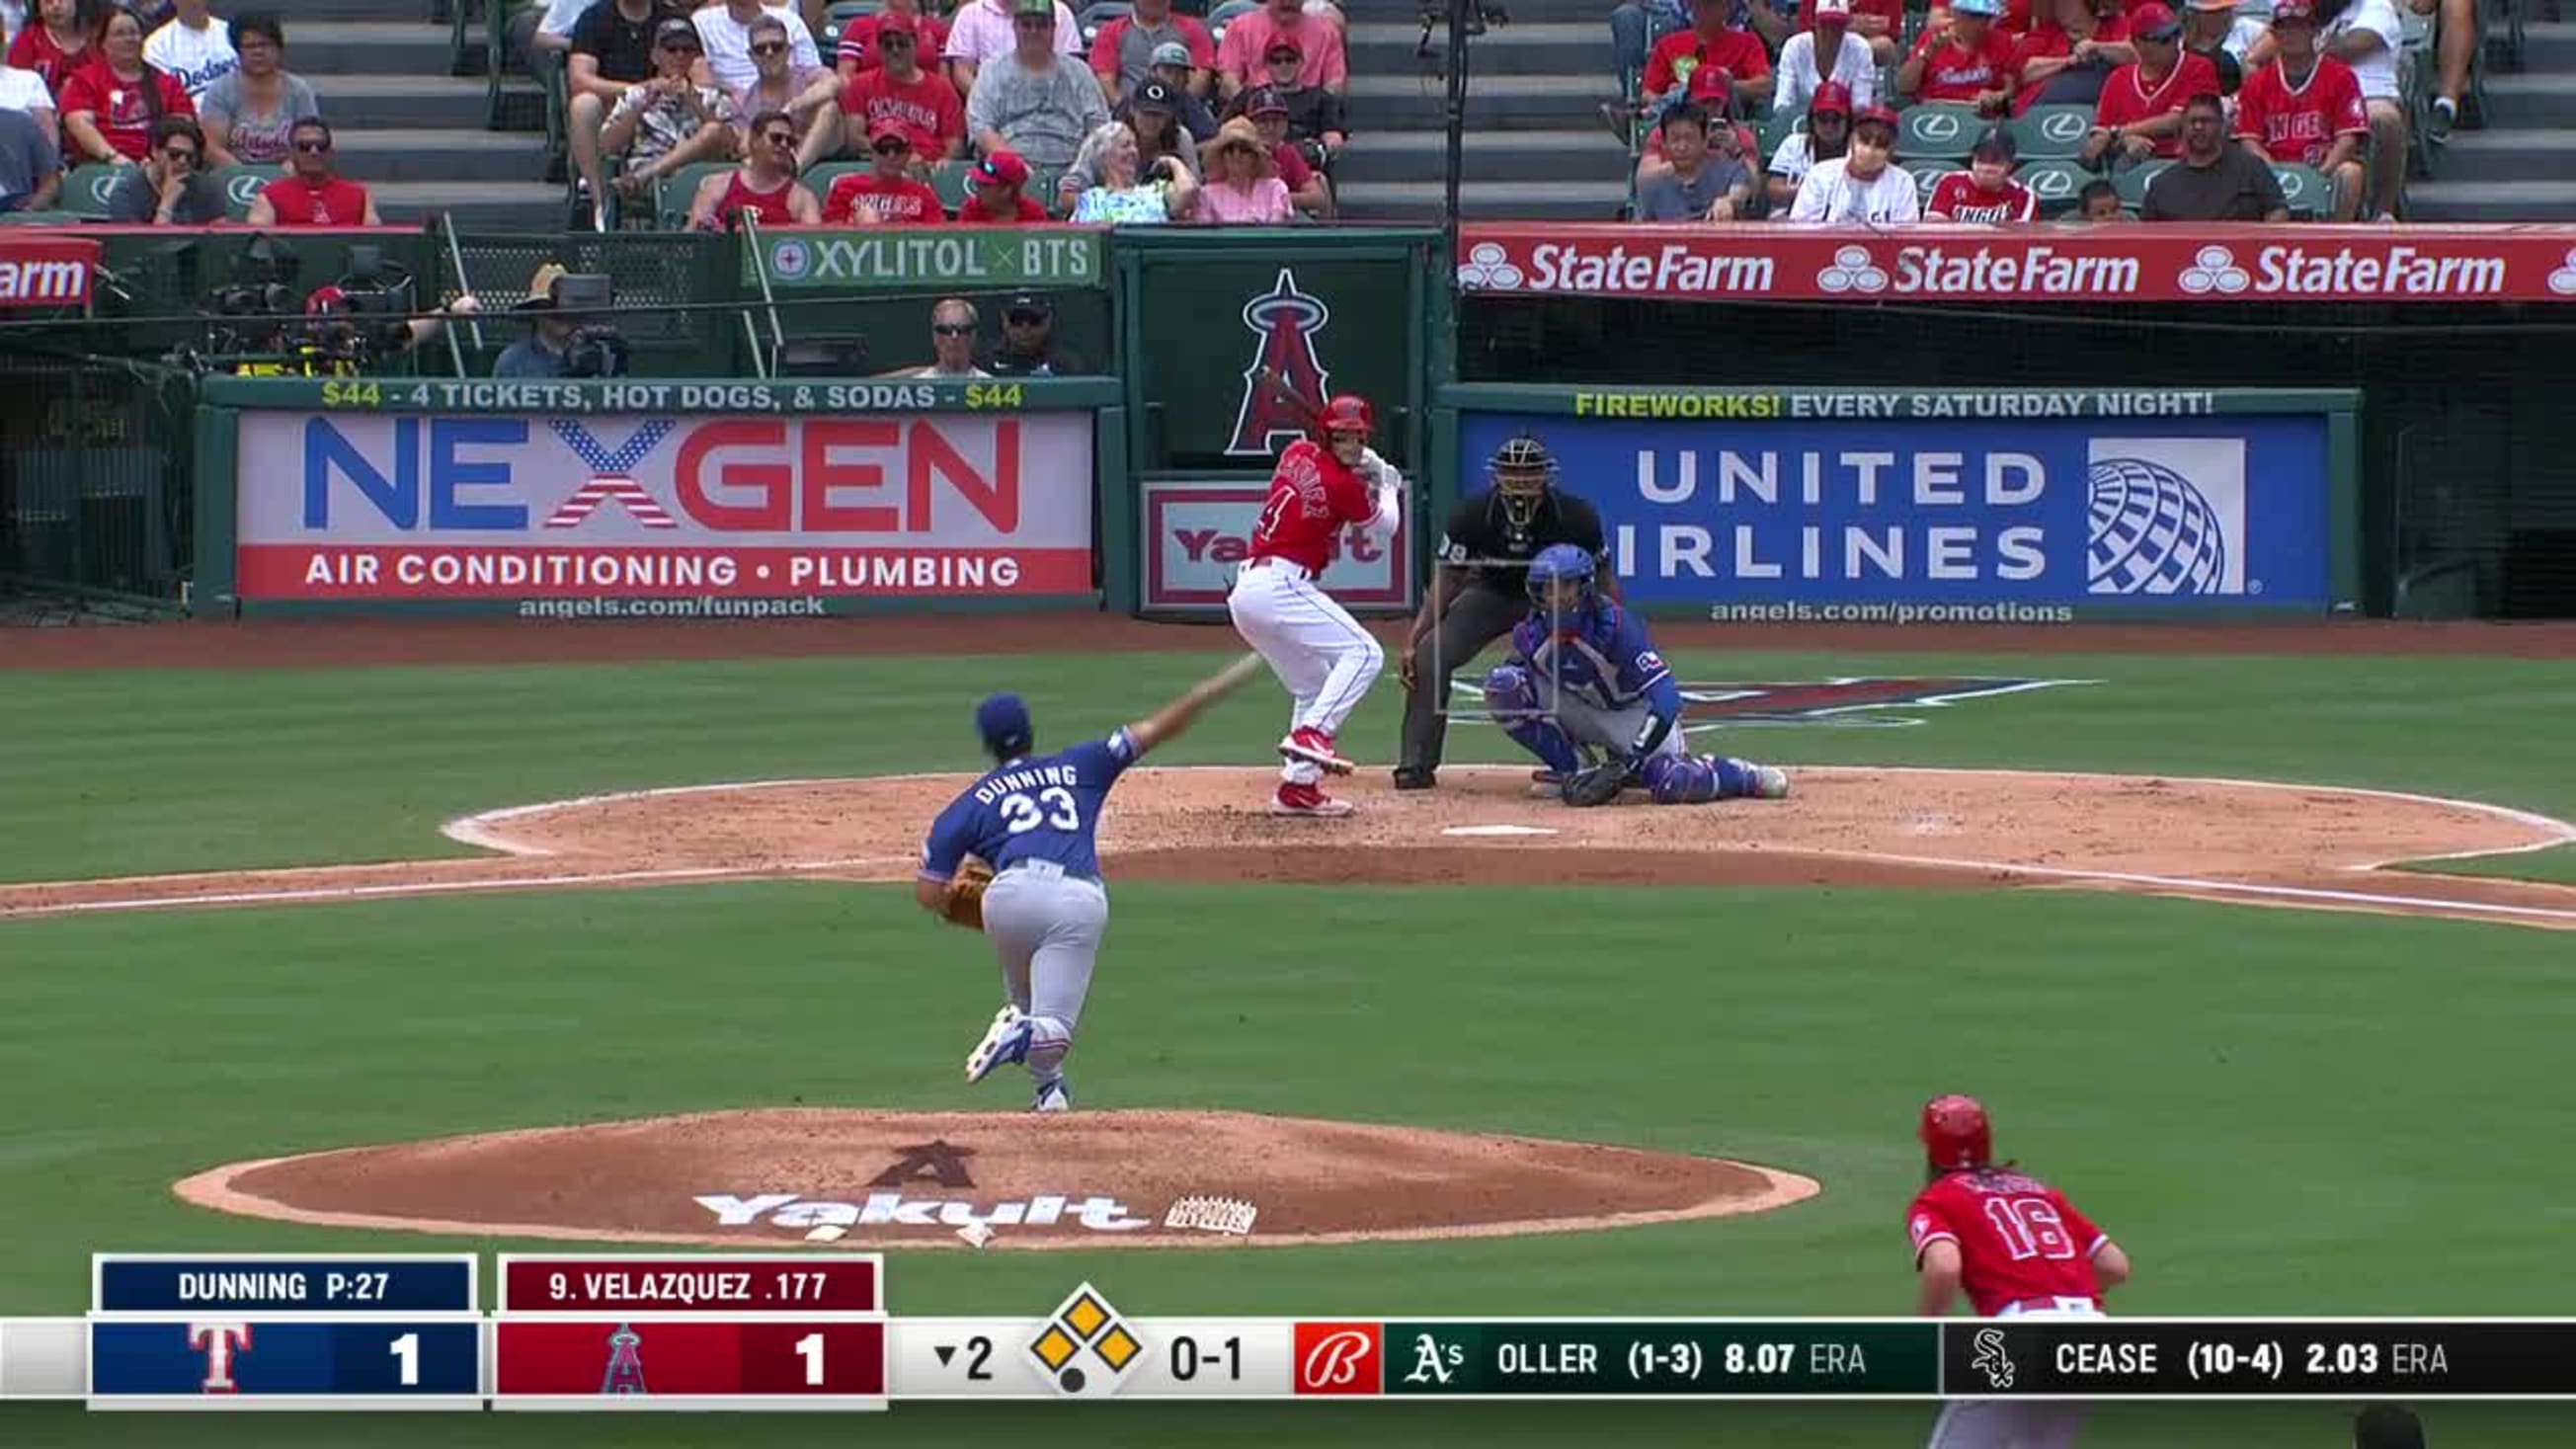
column 1335, row 1361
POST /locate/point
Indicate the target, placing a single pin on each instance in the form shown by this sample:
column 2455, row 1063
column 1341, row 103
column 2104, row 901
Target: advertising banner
column 46, row 271
column 2214, row 263
column 1982, row 516
column 1197, row 531
column 943, row 258
column 624, row 506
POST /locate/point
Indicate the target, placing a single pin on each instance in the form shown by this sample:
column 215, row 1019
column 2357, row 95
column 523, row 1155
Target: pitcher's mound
column 763, row 1179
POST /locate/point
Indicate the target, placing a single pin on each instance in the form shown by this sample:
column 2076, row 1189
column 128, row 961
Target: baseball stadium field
column 2281, row 1097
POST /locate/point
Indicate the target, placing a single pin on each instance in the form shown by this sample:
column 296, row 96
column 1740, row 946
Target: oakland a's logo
column 1284, row 322
column 1837, row 701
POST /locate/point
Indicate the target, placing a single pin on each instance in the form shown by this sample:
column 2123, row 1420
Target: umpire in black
column 1479, row 586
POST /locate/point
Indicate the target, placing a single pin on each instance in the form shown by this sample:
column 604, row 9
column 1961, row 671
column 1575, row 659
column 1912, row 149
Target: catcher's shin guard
column 1681, row 779
column 1511, row 696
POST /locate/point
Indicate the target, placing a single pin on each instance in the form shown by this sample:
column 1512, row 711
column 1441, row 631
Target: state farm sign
column 1197, row 533
column 1975, row 263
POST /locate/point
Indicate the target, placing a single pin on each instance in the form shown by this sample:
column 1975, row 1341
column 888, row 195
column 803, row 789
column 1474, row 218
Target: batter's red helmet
column 1347, row 412
column 1956, row 1132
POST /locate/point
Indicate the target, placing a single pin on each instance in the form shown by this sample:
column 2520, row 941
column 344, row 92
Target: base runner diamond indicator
column 1084, row 1346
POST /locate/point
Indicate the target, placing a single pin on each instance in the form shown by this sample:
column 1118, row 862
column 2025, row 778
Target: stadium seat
column 1778, row 129
column 672, row 197
column 85, row 191
column 241, row 186
column 1219, row 17
column 2131, row 182
column 1937, row 131
column 2306, row 189
column 2057, row 184
column 2052, row 133
column 842, row 12
column 1927, row 174
column 950, row 180
column 1097, row 13
column 819, row 180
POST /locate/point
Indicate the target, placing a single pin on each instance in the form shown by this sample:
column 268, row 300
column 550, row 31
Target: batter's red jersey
column 1956, row 197
column 2018, row 1237
column 2300, row 123
column 1312, row 499
column 2128, row 97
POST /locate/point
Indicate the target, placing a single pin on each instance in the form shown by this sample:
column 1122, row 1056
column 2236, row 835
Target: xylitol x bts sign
column 2027, row 519
column 962, row 258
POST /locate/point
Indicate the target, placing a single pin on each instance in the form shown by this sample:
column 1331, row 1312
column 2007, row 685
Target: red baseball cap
column 1002, row 168
column 1832, row 98
column 1880, row 114
column 1712, row 82
column 2153, row 21
column 896, row 22
column 1283, row 48
column 885, row 126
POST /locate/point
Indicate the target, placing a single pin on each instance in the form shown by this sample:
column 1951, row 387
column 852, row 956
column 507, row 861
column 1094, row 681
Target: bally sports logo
column 1340, row 1358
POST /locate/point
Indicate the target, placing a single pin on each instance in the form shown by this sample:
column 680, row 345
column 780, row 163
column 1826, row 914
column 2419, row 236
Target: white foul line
column 457, row 887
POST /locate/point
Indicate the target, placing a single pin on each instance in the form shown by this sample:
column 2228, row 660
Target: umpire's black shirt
column 1479, row 531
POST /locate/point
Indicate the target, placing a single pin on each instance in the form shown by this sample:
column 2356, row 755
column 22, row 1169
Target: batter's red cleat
column 1307, row 800
column 1314, row 747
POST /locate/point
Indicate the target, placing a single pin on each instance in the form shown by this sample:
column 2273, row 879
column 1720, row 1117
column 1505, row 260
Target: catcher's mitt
column 966, row 894
column 1595, row 784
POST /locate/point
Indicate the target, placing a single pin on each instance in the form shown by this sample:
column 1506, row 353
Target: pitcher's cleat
column 1005, row 1041
column 1770, row 782
column 1053, row 1097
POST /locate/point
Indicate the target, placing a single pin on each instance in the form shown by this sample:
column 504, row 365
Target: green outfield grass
column 2275, row 1111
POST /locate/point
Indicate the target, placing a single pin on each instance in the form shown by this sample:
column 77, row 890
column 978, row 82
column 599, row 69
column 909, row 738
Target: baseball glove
column 966, row 894
column 1595, row 784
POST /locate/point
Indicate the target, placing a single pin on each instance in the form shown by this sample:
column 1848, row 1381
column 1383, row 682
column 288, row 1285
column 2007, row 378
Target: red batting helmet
column 1956, row 1132
column 1347, row 412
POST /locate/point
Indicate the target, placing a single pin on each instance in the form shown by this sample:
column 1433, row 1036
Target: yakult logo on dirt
column 1095, row 1212
column 1340, row 1358
column 1283, row 322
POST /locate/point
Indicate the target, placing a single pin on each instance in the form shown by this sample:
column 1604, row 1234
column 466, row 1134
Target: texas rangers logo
column 1284, row 322
column 221, row 1343
column 611, row 471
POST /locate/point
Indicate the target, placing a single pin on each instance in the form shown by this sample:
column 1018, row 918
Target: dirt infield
column 912, row 1179
column 2243, row 841
column 298, row 644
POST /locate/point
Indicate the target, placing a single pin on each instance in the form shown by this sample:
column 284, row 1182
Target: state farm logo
column 1489, row 267
column 2563, row 280
column 1852, row 271
column 1340, row 1358
column 2214, row 269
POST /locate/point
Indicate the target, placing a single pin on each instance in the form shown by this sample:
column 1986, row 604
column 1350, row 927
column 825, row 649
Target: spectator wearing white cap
column 1864, row 186
column 1122, row 54
column 2306, row 107
column 1826, row 138
column 2365, row 34
column 2213, row 30
column 1830, row 52
column 1985, row 191
column 1966, row 59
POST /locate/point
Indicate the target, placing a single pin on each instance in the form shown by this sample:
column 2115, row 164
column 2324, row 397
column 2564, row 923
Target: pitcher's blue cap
column 1003, row 721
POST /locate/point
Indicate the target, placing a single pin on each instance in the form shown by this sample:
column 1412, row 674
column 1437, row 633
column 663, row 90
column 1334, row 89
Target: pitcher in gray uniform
column 1035, row 822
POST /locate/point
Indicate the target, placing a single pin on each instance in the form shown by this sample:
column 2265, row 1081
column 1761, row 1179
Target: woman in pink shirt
column 1242, row 185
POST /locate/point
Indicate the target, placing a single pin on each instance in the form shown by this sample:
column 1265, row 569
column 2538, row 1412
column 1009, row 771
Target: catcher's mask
column 1560, row 585
column 1523, row 471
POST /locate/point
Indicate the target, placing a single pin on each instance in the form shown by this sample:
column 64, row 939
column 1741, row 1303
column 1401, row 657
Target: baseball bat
column 1273, row 383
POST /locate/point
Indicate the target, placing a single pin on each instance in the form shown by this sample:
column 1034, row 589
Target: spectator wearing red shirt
column 1966, row 60
column 1880, row 22
column 2140, row 114
column 899, row 89
column 1248, row 38
column 313, row 194
column 764, row 186
column 886, row 192
column 1985, row 191
column 1709, row 41
column 861, row 48
column 53, row 44
column 2065, row 63
column 2306, row 107
column 111, row 104
column 994, row 185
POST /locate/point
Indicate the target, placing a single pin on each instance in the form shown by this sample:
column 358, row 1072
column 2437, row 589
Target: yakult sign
column 374, row 506
column 1197, row 534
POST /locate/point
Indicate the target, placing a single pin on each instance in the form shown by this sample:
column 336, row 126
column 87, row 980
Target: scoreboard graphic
column 811, row 1332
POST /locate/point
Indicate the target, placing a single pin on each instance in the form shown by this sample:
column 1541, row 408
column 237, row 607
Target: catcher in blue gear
column 1586, row 692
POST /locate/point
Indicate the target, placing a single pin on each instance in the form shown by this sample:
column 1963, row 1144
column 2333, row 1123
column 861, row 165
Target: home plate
column 1497, row 830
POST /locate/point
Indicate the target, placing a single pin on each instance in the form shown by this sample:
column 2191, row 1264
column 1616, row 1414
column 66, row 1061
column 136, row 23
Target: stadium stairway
column 2522, row 166
column 1536, row 145
column 409, row 128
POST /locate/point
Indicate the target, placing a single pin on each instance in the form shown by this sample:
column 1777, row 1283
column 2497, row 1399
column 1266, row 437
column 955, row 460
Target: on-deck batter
column 1313, row 644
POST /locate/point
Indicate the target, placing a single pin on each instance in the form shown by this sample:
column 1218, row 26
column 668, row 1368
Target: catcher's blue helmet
column 1561, row 563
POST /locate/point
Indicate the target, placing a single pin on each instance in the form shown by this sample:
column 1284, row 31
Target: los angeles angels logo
column 1284, row 322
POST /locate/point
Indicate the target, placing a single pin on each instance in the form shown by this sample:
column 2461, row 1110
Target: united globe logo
column 2166, row 515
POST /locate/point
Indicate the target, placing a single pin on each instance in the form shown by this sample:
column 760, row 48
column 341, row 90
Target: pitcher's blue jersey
column 1042, row 809
column 1607, row 663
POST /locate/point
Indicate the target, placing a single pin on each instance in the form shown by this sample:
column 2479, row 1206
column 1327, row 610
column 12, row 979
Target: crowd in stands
column 1854, row 111
column 165, row 99
column 1006, row 110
